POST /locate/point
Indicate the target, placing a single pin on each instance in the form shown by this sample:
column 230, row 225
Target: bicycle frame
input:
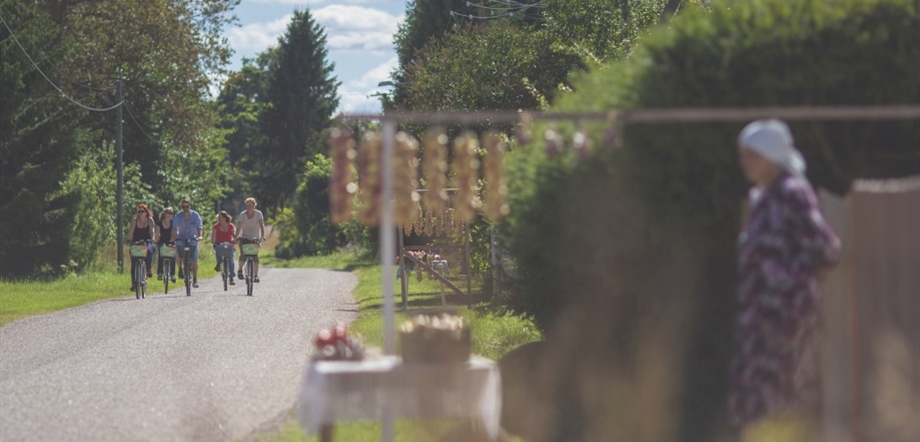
column 188, row 245
column 166, row 267
column 140, row 270
column 248, row 267
column 224, row 251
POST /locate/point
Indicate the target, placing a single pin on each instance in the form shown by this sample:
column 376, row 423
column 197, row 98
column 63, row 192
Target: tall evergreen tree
column 303, row 95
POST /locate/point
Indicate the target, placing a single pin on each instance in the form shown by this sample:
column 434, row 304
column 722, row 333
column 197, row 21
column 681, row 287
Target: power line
column 93, row 109
column 476, row 17
column 508, row 7
column 138, row 124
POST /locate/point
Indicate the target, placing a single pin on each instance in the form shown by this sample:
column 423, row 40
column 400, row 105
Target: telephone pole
column 120, row 194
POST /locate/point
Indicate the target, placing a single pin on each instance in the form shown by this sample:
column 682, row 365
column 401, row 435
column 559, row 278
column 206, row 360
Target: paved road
column 210, row 367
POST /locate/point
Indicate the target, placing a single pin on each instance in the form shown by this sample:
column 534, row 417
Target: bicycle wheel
column 186, row 270
column 249, row 277
column 167, row 263
column 137, row 279
column 142, row 282
column 225, row 271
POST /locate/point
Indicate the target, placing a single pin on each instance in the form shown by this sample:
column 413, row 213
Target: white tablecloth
column 340, row 390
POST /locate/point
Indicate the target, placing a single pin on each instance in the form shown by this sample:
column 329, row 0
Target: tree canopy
column 303, row 94
column 59, row 64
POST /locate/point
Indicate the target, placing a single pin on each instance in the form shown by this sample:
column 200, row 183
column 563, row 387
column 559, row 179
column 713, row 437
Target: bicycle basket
column 223, row 250
column 138, row 250
column 249, row 249
column 167, row 251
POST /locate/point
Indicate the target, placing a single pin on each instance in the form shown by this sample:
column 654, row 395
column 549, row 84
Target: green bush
column 611, row 240
column 307, row 229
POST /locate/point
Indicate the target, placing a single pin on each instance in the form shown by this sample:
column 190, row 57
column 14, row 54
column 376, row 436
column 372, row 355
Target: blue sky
column 359, row 36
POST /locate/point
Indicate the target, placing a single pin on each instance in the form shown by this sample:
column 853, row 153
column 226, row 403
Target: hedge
column 614, row 242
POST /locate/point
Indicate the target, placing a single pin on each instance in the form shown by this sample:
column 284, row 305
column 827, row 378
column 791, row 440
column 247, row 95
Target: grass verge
column 23, row 298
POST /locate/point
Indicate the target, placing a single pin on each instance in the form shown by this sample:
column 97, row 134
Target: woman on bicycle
column 142, row 229
column 164, row 234
column 224, row 231
column 251, row 225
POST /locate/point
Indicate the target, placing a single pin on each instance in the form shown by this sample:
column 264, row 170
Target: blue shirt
column 186, row 228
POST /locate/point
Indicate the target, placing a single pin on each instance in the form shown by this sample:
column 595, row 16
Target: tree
column 303, row 96
column 501, row 66
column 425, row 19
column 83, row 47
column 37, row 145
column 599, row 30
column 242, row 101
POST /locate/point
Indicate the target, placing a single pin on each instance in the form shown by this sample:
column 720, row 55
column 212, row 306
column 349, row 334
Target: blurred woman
column 783, row 253
column 142, row 229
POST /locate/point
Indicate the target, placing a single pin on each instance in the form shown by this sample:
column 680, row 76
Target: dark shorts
column 180, row 244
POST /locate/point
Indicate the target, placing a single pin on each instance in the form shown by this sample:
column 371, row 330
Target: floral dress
column 775, row 359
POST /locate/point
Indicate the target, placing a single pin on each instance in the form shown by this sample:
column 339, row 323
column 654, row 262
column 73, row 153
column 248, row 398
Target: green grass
column 24, row 298
column 493, row 335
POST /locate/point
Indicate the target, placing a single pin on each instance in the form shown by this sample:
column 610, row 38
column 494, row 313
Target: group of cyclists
column 185, row 229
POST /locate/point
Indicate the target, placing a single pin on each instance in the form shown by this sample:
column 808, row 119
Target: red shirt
column 223, row 236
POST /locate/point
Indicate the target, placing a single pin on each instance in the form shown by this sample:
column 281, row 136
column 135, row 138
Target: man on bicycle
column 250, row 224
column 187, row 225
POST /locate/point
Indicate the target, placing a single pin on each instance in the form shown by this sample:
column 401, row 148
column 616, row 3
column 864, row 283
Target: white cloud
column 315, row 2
column 359, row 28
column 347, row 28
column 371, row 78
column 355, row 103
column 257, row 36
column 357, row 95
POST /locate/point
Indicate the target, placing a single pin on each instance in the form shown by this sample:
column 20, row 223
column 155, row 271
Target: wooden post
column 466, row 264
column 404, row 282
column 387, row 249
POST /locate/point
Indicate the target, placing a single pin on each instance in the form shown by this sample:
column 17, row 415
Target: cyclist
column 165, row 235
column 224, row 231
column 251, row 224
column 187, row 230
column 142, row 228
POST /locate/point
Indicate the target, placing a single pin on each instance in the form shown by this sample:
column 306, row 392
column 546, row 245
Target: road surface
column 211, row 367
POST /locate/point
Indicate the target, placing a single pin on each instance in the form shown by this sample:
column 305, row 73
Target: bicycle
column 224, row 251
column 186, row 269
column 138, row 252
column 249, row 249
column 168, row 253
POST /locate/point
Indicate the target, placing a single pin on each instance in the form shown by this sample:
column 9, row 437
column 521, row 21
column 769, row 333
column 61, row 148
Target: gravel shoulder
column 213, row 366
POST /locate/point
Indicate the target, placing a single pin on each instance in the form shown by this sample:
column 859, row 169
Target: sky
column 359, row 38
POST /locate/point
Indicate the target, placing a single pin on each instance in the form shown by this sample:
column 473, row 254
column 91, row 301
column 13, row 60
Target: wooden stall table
column 344, row 390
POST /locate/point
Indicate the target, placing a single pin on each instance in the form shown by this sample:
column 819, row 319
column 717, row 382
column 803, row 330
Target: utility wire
column 138, row 124
column 474, row 17
column 93, row 109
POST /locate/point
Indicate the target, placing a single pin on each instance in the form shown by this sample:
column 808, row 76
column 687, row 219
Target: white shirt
column 249, row 227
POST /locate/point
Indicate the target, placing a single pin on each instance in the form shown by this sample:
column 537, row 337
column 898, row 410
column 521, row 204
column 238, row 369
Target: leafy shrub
column 616, row 237
column 93, row 221
column 307, row 229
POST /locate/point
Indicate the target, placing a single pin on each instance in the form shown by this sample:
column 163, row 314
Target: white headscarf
column 773, row 140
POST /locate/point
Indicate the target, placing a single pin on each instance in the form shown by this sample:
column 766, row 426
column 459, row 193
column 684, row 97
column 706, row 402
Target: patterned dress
column 775, row 360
